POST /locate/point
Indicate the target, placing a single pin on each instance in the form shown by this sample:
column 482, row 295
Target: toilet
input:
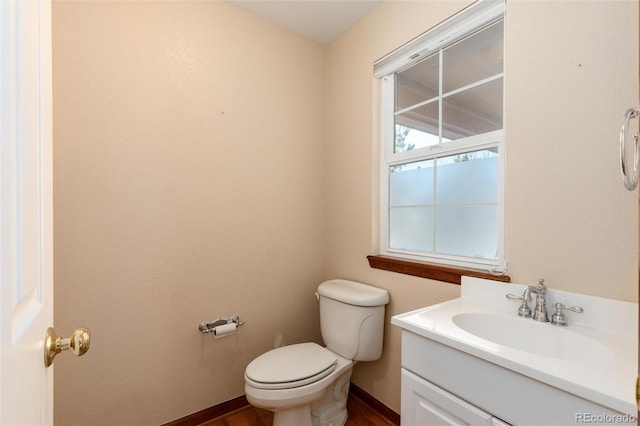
column 307, row 384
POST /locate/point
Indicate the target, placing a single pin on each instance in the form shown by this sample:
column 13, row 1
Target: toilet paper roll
column 224, row 330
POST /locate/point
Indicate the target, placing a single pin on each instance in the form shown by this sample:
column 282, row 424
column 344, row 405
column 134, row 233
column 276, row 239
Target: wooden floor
column 360, row 414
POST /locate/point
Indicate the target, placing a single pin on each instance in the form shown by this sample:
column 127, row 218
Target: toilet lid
column 290, row 366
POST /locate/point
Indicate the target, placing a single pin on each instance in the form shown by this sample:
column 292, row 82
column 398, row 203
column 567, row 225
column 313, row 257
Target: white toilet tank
column 352, row 318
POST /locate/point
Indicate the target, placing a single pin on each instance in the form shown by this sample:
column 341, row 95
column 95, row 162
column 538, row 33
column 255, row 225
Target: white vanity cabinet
column 472, row 361
column 444, row 386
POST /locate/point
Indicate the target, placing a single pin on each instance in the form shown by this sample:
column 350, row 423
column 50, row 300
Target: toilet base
column 331, row 410
column 322, row 404
column 299, row 416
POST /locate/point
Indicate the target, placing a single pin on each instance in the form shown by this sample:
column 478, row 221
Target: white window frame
column 479, row 15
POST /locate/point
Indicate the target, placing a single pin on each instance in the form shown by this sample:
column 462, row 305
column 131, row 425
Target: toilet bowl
column 306, row 384
column 291, row 398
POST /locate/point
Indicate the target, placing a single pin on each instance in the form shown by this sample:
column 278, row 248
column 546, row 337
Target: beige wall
column 571, row 72
column 189, row 182
column 184, row 190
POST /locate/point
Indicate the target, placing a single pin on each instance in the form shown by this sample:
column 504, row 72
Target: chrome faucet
column 540, row 311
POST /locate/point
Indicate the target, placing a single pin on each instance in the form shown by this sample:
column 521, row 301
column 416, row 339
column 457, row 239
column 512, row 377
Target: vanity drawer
column 424, row 403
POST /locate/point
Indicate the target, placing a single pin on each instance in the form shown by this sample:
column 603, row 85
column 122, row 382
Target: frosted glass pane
column 417, row 83
column 467, row 231
column 468, row 178
column 473, row 111
column 474, row 58
column 411, row 228
column 411, row 184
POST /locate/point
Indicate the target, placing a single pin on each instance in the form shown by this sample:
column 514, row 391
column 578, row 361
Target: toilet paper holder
column 210, row 326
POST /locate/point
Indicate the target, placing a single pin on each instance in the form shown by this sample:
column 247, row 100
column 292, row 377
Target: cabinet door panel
column 424, row 403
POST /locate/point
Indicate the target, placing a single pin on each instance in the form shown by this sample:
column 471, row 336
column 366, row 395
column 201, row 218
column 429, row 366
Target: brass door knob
column 53, row 344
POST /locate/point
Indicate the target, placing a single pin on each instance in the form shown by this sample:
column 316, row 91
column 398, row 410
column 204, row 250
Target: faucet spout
column 540, row 311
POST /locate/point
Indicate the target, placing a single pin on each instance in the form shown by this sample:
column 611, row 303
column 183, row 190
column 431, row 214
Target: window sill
column 427, row 270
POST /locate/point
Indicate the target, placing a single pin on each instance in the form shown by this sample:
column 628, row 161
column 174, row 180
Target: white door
column 26, row 257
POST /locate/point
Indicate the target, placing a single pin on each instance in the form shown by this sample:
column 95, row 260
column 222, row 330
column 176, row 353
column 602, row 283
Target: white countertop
column 605, row 375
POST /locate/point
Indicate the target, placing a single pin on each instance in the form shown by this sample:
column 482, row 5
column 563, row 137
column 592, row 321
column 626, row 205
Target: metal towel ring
column 629, row 182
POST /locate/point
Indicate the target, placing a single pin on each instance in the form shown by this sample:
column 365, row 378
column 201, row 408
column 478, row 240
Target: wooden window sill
column 428, row 270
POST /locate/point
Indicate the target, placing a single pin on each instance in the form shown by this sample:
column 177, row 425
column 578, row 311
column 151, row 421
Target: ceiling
column 319, row 20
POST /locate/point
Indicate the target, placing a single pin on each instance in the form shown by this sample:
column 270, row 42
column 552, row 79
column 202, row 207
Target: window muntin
column 443, row 161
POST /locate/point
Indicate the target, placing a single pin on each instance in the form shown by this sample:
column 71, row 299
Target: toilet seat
column 291, row 366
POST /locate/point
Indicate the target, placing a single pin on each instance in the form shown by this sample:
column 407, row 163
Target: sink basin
column 531, row 336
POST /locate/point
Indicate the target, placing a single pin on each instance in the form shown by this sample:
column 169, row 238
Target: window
column 442, row 178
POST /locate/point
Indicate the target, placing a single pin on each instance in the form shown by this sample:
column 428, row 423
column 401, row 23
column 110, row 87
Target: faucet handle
column 559, row 318
column 526, row 296
column 523, row 310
